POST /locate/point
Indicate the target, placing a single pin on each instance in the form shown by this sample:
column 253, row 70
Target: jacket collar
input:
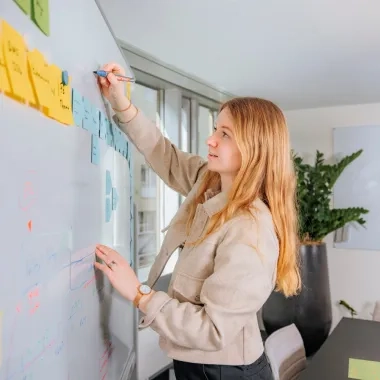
column 215, row 200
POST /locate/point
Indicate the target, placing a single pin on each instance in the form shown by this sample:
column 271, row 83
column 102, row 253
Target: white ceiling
column 297, row 53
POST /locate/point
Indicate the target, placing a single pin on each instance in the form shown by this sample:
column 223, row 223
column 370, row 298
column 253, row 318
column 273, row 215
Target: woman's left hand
column 118, row 271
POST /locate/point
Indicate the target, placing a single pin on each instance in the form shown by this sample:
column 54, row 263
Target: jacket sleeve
column 241, row 283
column 178, row 169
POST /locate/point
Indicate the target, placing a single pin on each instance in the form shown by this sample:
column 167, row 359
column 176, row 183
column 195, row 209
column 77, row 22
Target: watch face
column 145, row 289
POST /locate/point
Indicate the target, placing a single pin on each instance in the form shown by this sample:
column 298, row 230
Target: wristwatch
column 142, row 290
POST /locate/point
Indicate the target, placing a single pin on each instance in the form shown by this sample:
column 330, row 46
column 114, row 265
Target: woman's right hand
column 112, row 88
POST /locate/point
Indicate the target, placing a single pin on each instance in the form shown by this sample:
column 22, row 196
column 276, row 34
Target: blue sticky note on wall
column 95, row 153
column 115, row 198
column 108, row 182
column 87, row 115
column 95, row 121
column 108, row 210
column 103, row 126
column 77, row 107
column 110, row 137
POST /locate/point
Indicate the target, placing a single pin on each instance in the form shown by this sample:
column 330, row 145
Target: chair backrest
column 376, row 312
column 286, row 353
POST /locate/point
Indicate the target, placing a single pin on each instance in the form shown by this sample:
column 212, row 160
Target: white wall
column 354, row 274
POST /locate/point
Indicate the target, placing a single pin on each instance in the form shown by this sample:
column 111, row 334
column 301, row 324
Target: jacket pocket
column 187, row 288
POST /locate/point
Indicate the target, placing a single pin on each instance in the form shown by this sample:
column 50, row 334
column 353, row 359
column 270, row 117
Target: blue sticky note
column 115, row 198
column 110, row 139
column 95, row 121
column 115, row 134
column 65, row 78
column 87, row 114
column 95, row 154
column 103, row 126
column 77, row 107
column 108, row 210
column 125, row 149
column 108, row 182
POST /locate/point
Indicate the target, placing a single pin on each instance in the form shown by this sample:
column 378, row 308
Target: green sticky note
column 40, row 15
column 25, row 5
column 363, row 369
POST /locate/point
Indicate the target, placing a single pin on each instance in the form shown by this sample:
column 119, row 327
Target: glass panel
column 185, row 130
column 205, row 125
column 146, row 190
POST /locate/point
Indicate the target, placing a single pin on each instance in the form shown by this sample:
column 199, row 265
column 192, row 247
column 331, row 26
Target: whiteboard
column 59, row 319
column 359, row 184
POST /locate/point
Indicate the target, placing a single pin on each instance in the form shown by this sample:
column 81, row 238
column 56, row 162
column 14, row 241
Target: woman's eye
column 225, row 134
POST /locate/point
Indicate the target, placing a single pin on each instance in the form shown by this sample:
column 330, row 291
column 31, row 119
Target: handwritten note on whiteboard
column 16, row 63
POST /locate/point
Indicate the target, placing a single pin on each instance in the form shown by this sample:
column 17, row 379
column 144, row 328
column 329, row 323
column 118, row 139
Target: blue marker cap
column 101, row 73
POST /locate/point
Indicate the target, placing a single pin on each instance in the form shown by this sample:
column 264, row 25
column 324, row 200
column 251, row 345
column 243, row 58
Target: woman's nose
column 211, row 141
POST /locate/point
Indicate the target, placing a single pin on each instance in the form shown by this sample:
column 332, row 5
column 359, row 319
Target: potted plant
column 310, row 310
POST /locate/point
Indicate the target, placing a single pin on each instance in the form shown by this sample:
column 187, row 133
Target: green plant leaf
column 314, row 191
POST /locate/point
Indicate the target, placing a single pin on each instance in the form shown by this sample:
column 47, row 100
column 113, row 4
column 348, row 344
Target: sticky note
column 55, row 107
column 1, row 338
column 65, row 77
column 95, row 154
column 15, row 58
column 115, row 198
column 25, row 5
column 125, row 148
column 103, row 125
column 108, row 210
column 87, row 114
column 95, row 121
column 78, row 107
column 40, row 15
column 40, row 79
column 108, row 182
column 110, row 137
column 61, row 107
column 363, row 369
column 5, row 85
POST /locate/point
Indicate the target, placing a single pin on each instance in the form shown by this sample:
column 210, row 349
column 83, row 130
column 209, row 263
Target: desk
column 352, row 338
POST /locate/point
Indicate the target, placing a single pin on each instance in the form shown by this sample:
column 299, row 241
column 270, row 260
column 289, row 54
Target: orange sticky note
column 16, row 64
column 5, row 86
column 61, row 108
column 40, row 78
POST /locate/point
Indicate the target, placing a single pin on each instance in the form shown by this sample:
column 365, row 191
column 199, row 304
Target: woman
column 237, row 228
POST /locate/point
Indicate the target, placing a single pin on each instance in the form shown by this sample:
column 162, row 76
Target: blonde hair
column 266, row 172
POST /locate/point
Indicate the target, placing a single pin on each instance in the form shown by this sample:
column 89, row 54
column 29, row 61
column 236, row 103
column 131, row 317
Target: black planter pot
column 310, row 310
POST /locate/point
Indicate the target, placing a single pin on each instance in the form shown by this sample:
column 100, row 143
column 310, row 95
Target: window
column 205, row 127
column 145, row 189
column 148, row 182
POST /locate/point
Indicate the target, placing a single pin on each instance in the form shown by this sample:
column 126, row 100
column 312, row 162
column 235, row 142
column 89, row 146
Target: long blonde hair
column 266, row 172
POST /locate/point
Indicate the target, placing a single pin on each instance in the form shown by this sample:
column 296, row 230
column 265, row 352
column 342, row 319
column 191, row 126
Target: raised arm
column 178, row 169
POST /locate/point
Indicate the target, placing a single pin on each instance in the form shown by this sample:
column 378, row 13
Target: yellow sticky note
column 363, row 369
column 40, row 79
column 1, row 338
column 5, row 86
column 16, row 64
column 61, row 108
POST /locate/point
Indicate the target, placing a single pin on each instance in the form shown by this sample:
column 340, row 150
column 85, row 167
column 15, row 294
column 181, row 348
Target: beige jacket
column 208, row 314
